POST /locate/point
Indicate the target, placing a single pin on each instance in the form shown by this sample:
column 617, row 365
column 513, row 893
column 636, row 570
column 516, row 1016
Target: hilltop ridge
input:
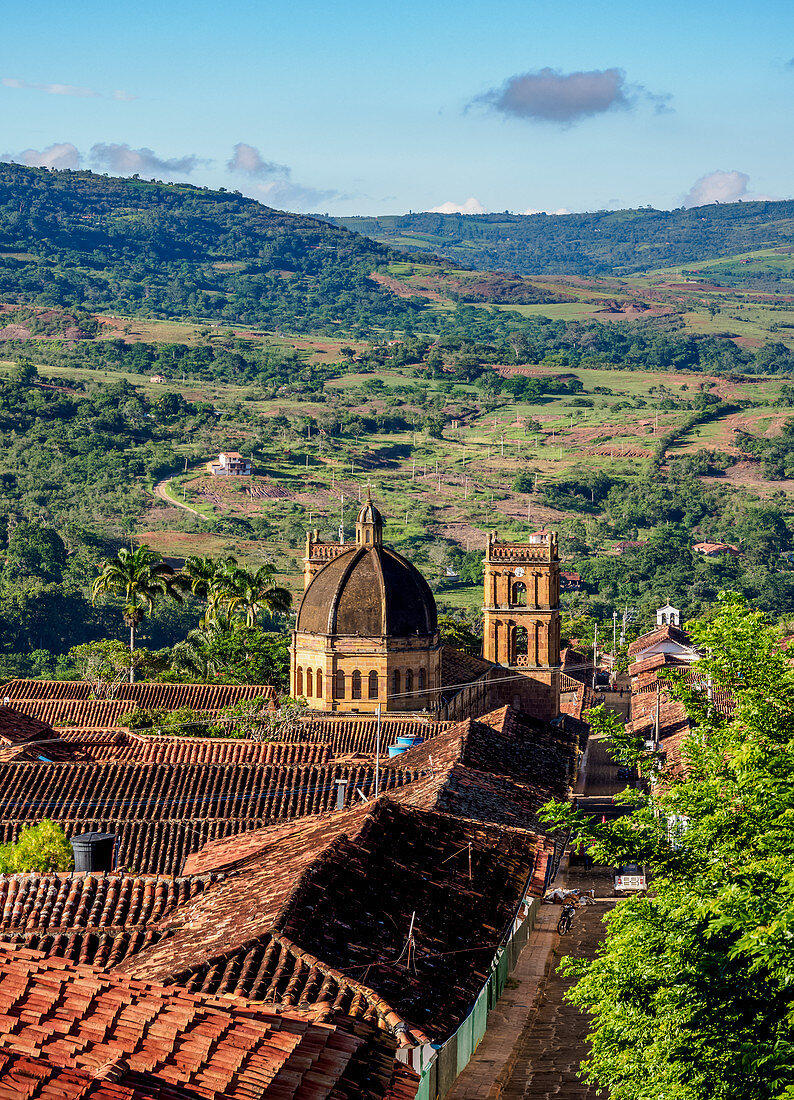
column 78, row 239
column 604, row 242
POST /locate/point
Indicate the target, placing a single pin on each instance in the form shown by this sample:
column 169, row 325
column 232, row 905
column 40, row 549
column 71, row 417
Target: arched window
column 522, row 641
column 299, row 681
column 309, row 682
column 422, row 679
column 355, row 686
column 395, row 682
column 519, row 594
column 339, row 691
column 368, row 537
column 409, row 680
column 319, row 683
column 373, row 685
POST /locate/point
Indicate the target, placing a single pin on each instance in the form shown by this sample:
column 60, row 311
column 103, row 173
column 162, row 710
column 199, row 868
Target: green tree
column 35, row 551
column 233, row 655
column 140, row 577
column 107, row 663
column 250, row 593
column 41, row 847
column 691, row 995
column 459, row 634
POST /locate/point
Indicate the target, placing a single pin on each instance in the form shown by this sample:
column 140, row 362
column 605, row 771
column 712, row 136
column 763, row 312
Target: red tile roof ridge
column 17, row 727
column 666, row 632
column 238, row 1048
column 205, row 936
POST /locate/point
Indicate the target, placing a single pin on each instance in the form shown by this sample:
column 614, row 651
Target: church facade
column 366, row 635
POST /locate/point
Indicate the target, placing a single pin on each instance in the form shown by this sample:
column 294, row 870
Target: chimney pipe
column 341, row 788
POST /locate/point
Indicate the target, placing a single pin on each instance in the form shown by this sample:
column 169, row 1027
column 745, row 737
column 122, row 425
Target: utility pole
column 656, row 724
column 377, row 755
column 342, row 520
column 595, row 653
column 614, row 636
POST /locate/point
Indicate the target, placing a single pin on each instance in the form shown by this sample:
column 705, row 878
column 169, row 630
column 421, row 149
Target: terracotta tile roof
column 163, row 811
column 16, row 727
column 72, row 1032
column 575, row 697
column 674, row 729
column 74, row 713
column 653, row 663
column 324, row 906
column 171, row 696
column 539, row 758
column 92, row 918
column 142, row 748
column 659, row 634
column 461, row 668
column 357, row 734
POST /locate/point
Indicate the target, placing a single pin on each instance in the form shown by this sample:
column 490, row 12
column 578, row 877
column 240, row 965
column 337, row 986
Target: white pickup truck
column 630, row 879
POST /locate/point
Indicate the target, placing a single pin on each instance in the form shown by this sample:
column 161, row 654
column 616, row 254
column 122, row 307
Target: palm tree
column 140, row 576
column 252, row 593
column 205, row 577
column 201, row 574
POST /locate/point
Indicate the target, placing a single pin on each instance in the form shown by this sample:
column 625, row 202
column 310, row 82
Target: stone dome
column 368, row 591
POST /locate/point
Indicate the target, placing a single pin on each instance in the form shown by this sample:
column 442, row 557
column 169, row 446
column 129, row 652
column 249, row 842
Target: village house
column 716, row 549
column 230, row 464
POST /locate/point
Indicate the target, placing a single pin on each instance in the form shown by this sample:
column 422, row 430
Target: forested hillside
column 617, row 242
column 76, row 239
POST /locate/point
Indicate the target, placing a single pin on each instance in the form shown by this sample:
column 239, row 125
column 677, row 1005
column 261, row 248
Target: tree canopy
column 691, row 994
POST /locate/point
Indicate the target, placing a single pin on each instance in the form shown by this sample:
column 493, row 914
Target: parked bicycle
column 565, row 923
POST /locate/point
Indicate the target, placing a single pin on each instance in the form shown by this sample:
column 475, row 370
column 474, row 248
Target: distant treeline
column 605, row 242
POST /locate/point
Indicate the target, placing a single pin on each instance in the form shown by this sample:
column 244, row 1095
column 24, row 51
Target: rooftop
column 72, row 1031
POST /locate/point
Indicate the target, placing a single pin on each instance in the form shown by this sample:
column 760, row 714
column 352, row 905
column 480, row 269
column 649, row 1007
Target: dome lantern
column 369, row 524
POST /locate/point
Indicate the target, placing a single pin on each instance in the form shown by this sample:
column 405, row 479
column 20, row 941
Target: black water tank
column 93, row 851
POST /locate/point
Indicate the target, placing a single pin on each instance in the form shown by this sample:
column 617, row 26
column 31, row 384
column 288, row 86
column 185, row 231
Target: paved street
column 548, row 1053
column 535, row 1039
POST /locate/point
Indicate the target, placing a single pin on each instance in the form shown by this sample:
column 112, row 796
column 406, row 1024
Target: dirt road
column 160, row 490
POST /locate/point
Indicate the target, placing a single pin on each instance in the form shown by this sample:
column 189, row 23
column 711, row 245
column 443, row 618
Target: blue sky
column 353, row 107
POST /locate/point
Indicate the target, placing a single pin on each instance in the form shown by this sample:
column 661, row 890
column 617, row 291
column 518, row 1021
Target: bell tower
column 521, row 617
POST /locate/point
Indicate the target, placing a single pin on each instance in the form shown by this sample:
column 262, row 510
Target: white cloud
column 61, row 89
column 248, row 160
column 286, row 195
column 721, row 186
column 121, row 160
column 123, row 97
column 60, row 155
column 560, row 210
column 470, row 206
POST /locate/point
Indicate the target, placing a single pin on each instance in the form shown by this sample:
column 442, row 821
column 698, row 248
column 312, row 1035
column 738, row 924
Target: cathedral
column 366, row 636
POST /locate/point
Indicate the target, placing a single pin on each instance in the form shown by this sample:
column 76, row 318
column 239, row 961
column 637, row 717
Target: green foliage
column 40, row 848
column 140, row 577
column 599, row 243
column 255, row 718
column 164, row 249
column 460, row 634
column 690, row 997
column 107, row 663
column 233, row 654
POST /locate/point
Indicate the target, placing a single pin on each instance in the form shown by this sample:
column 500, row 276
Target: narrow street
column 547, row 1056
column 535, row 1039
